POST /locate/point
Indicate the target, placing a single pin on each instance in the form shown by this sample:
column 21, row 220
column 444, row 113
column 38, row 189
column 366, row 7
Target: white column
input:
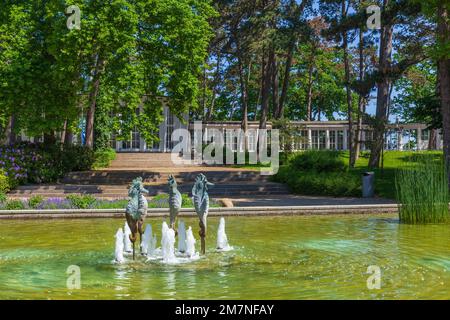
column 419, row 139
column 327, row 139
column 345, row 145
column 309, row 139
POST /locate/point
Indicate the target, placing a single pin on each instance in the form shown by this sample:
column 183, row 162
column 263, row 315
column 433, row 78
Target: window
column 425, row 135
column 251, row 140
column 318, row 138
column 333, row 142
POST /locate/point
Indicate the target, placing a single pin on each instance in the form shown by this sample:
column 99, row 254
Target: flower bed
column 36, row 163
column 88, row 202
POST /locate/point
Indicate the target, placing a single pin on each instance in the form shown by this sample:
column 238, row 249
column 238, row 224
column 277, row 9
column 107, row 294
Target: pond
column 302, row 257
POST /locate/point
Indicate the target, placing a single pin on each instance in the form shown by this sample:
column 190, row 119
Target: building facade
column 322, row 135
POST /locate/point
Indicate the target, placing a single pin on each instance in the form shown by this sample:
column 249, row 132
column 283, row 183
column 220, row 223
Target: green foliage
column 4, row 182
column 422, row 192
column 416, row 100
column 76, row 158
column 14, row 205
column 103, row 158
column 35, row 201
column 131, row 49
column 338, row 184
column 111, row 204
column 318, row 161
column 82, row 202
column 3, row 198
column 39, row 163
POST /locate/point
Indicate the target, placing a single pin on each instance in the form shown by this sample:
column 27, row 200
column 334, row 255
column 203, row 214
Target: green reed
column 422, row 191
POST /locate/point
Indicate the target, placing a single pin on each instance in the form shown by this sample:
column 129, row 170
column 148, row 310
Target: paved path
column 298, row 200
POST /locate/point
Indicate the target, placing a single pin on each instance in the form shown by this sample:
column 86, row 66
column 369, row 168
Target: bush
column 77, row 158
column 81, row 202
column 103, row 158
column 3, row 198
column 320, row 183
column 37, row 163
column 319, row 161
column 15, row 205
column 35, row 201
column 4, row 182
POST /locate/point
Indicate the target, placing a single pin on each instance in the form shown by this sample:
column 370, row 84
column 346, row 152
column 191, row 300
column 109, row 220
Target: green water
column 273, row 258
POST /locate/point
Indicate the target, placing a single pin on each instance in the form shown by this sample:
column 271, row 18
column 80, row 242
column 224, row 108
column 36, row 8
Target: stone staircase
column 154, row 168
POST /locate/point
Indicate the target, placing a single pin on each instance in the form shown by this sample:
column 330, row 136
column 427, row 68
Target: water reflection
column 274, row 257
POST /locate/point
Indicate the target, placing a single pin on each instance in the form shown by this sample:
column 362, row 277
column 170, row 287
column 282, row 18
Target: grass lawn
column 348, row 182
column 393, row 160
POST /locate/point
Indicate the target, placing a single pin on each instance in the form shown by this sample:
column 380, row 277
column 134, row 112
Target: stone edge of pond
column 188, row 212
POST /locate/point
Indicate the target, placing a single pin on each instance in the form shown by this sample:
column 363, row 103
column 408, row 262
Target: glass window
column 333, row 141
column 425, row 135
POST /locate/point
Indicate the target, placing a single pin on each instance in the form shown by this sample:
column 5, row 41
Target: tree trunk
column 309, row 95
column 244, row 100
column 382, row 95
column 361, row 98
column 444, row 81
column 275, row 88
column 348, row 90
column 214, row 91
column 11, row 137
column 204, row 84
column 92, row 103
column 63, row 133
column 286, row 79
column 432, row 140
column 267, row 76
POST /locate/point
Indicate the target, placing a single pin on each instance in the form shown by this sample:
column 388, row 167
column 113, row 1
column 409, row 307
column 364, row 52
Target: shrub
column 82, row 202
column 77, row 158
column 320, row 183
column 14, row 205
column 4, row 182
column 103, row 158
column 37, row 163
column 35, row 201
column 318, row 160
column 3, row 198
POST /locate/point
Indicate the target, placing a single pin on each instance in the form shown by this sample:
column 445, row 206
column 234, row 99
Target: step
column 118, row 177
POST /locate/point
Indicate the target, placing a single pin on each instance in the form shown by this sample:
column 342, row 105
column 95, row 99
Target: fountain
column 181, row 237
column 168, row 244
column 126, row 239
column 222, row 239
column 190, row 244
column 119, row 246
column 147, row 240
column 137, row 209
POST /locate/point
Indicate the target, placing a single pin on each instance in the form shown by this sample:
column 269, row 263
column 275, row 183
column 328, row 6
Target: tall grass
column 422, row 192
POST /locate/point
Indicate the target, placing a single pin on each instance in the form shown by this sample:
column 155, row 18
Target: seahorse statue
column 175, row 201
column 200, row 199
column 136, row 210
